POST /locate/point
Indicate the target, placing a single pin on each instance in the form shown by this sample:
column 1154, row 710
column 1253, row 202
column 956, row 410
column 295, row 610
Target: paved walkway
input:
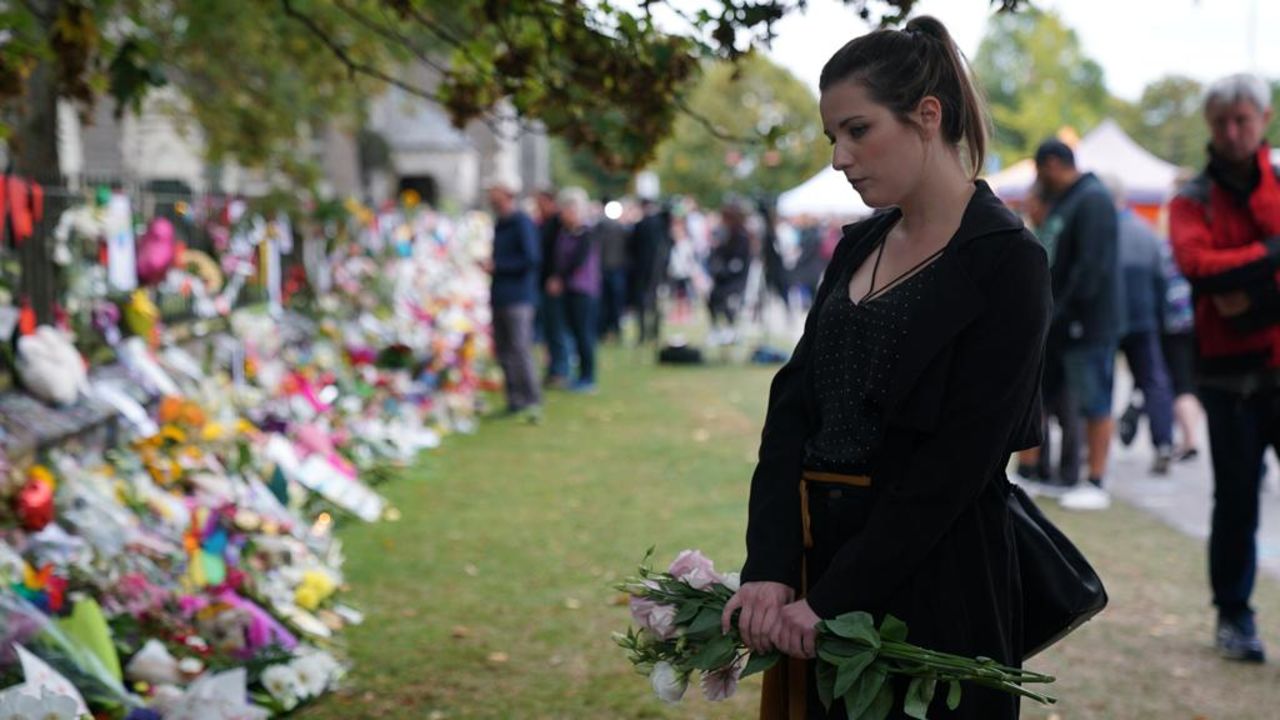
column 1184, row 498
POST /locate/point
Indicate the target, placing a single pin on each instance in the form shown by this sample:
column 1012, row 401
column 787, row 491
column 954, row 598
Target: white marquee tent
column 1107, row 150
column 824, row 194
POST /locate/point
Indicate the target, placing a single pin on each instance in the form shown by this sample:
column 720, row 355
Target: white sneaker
column 1086, row 497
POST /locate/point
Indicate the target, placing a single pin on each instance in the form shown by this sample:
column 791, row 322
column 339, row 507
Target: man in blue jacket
column 1080, row 238
column 515, row 268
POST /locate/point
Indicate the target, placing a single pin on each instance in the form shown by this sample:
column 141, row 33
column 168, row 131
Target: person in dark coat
column 515, row 267
column 552, row 315
column 729, row 266
column 612, row 236
column 649, row 250
column 881, row 484
column 1080, row 235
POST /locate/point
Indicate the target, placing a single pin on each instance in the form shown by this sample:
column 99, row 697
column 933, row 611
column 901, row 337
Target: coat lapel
column 950, row 301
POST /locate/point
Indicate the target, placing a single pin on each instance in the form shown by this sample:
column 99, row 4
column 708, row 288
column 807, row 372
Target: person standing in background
column 1035, row 466
column 575, row 278
column 1079, row 235
column 554, row 323
column 649, row 250
column 1225, row 231
column 612, row 236
column 728, row 266
column 1142, row 273
column 515, row 268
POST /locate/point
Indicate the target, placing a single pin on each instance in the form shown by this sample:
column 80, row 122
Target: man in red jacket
column 1225, row 228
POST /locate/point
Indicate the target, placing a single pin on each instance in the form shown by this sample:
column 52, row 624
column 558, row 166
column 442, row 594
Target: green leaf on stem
column 883, row 704
column 891, row 628
column 687, row 613
column 717, row 653
column 826, row 683
column 833, row 649
column 707, row 619
column 760, row 663
column 864, row 692
column 919, row 695
column 850, row 669
column 855, row 626
column 953, row 694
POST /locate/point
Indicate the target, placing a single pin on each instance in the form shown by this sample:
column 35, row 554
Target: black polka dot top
column 856, row 348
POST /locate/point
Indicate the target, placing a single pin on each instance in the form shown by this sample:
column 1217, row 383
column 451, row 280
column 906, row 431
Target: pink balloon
column 157, row 251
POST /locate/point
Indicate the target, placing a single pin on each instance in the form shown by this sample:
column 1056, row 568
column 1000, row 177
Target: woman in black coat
column 881, row 478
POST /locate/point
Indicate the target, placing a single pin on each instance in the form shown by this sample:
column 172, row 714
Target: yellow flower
column 171, row 432
column 212, row 432
column 41, row 474
column 319, row 580
column 306, row 597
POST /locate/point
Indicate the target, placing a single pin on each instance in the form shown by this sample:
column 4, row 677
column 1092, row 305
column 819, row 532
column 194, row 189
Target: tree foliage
column 1037, row 79
column 250, row 77
column 1167, row 120
column 753, row 97
column 605, row 77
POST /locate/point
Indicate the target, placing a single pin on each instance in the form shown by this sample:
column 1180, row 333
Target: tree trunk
column 35, row 156
column 36, row 139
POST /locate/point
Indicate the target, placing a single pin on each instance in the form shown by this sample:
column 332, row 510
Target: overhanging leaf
column 715, row 654
column 837, row 647
column 883, row 704
column 953, row 694
column 856, row 626
column 687, row 613
column 851, row 669
column 707, row 619
column 919, row 695
column 864, row 692
column 760, row 663
column 891, row 628
column 826, row 684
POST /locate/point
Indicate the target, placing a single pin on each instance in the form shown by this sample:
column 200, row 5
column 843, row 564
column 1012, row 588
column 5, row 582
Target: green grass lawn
column 492, row 598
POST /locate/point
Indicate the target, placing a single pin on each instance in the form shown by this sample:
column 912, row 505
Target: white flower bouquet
column 679, row 633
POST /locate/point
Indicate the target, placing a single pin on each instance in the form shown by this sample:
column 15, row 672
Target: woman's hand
column 796, row 633
column 761, row 604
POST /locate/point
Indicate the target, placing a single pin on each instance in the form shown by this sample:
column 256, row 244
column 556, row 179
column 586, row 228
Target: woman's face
column 878, row 154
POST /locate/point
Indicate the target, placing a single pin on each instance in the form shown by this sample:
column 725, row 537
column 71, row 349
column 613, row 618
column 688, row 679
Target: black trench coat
column 931, row 540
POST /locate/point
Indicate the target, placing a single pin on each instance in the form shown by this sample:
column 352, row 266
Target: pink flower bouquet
column 677, row 633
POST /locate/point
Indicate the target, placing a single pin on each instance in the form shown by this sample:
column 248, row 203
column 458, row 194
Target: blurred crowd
column 571, row 271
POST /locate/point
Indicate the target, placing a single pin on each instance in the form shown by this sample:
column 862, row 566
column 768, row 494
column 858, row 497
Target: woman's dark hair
column 899, row 68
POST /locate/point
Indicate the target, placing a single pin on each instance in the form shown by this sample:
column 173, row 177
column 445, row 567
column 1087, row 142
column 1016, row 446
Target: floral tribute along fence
column 167, row 543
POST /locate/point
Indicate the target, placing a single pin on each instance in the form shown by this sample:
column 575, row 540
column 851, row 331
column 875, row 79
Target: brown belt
column 785, row 692
column 809, row 476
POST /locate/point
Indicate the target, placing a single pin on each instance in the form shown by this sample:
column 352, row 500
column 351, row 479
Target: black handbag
column 1060, row 590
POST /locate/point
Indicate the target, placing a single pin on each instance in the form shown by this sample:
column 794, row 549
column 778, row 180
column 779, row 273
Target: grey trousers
column 513, row 344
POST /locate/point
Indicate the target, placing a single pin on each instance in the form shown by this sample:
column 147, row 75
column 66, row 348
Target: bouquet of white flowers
column 678, row 613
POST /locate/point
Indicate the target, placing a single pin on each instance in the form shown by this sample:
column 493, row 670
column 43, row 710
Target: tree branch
column 353, row 66
column 438, row 29
column 390, row 35
column 716, row 131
